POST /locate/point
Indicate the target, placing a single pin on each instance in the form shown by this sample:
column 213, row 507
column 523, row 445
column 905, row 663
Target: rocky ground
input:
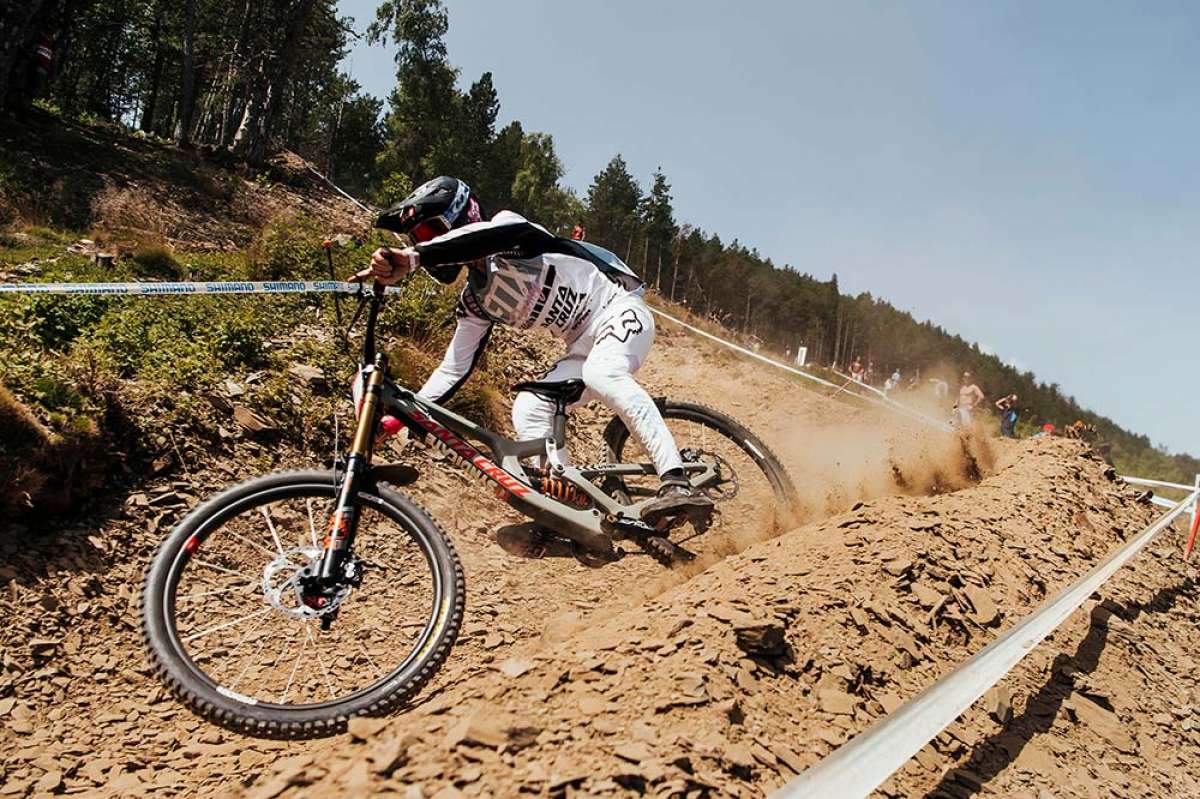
column 915, row 550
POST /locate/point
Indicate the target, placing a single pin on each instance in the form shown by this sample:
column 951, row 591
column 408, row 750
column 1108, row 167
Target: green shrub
column 289, row 248
column 422, row 310
column 156, row 260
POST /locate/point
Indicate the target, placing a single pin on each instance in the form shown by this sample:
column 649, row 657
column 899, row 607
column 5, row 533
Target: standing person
column 857, row 371
column 892, row 382
column 1008, row 415
column 520, row 275
column 579, row 232
column 969, row 397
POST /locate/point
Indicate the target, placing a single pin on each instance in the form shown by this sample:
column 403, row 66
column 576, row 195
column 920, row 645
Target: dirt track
column 631, row 679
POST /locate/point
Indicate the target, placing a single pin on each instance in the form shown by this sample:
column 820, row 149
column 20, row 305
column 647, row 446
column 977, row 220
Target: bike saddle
column 568, row 391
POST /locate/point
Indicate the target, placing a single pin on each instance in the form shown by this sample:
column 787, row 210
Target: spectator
column 969, row 396
column 857, row 372
column 1008, row 415
column 1046, row 431
column 870, row 376
column 579, row 232
column 892, row 382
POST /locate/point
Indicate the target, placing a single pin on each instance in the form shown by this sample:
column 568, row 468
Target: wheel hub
column 287, row 580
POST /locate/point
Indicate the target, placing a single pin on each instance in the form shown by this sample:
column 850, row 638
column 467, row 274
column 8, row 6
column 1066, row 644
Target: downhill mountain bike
column 289, row 603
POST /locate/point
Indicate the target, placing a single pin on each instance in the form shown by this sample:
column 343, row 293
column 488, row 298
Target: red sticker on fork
column 192, row 544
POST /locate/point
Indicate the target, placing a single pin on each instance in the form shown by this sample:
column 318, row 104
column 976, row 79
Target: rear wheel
column 753, row 493
column 231, row 633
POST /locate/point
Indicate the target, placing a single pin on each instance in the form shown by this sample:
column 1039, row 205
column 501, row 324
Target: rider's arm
column 506, row 232
column 470, row 338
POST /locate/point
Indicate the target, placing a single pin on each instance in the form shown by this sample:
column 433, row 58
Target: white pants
column 615, row 346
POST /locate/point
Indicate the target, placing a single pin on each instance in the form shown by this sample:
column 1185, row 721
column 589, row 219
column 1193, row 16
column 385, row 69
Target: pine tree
column 613, row 201
column 658, row 223
column 423, row 105
column 535, row 188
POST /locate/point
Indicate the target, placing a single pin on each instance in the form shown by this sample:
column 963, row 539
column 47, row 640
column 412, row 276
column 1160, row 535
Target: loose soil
column 913, row 551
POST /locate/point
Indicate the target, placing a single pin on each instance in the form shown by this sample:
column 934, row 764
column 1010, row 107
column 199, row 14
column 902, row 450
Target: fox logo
column 624, row 327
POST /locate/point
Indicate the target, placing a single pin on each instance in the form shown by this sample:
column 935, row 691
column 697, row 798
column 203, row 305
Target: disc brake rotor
column 283, row 584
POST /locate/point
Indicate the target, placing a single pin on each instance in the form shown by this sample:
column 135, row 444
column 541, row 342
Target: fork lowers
column 562, row 490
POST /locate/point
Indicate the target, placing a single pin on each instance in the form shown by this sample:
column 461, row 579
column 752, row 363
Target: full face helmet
column 435, row 208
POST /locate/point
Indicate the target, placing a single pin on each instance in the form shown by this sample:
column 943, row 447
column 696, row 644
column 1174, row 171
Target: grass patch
column 157, row 261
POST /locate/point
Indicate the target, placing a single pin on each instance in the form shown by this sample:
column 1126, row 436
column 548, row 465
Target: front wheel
column 753, row 493
column 230, row 633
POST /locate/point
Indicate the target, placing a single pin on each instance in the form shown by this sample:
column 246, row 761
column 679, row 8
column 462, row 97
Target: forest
column 242, row 79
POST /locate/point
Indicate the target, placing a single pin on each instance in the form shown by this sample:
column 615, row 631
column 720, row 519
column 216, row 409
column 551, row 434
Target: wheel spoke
column 262, row 642
column 320, row 660
column 227, row 624
column 271, row 526
column 215, row 567
column 199, row 594
column 312, row 525
column 295, row 666
column 250, row 543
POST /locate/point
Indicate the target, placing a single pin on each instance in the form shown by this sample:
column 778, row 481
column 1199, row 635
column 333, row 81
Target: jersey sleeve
column 507, row 233
column 470, row 339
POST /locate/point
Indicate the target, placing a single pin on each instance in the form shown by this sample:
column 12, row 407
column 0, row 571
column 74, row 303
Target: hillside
column 630, row 679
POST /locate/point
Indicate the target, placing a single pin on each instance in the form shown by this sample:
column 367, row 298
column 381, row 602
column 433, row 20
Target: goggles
column 428, row 229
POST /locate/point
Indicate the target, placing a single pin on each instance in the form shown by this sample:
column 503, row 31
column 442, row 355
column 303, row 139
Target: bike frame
column 592, row 527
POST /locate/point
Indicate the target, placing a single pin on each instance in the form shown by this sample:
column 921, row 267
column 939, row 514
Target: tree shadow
column 993, row 754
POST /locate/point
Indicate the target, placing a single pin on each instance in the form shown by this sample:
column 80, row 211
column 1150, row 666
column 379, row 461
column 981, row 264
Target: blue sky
column 1024, row 174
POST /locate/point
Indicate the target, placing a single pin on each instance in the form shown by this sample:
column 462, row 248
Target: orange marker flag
column 1191, row 542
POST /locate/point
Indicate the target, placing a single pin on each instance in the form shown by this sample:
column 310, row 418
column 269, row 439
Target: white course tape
column 861, row 765
column 1142, row 481
column 889, row 404
column 339, row 190
column 167, row 289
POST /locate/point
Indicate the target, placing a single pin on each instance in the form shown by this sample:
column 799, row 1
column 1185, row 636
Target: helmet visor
column 428, row 229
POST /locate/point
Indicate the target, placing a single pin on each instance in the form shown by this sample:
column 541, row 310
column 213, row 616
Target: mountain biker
column 521, row 275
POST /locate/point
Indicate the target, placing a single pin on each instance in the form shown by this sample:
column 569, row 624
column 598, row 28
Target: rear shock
column 561, row 489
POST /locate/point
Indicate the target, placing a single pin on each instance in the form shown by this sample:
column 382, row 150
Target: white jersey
column 532, row 279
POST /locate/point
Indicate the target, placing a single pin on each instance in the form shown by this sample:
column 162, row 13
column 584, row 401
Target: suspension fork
column 344, row 524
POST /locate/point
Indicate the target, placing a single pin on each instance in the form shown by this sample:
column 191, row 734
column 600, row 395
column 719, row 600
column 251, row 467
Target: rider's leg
column 624, row 335
column 532, row 416
column 622, row 340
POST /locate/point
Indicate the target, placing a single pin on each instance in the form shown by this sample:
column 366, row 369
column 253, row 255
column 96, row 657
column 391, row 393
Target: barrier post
column 1191, row 542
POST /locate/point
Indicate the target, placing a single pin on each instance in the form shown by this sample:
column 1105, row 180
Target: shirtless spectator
column 969, row 397
column 857, row 371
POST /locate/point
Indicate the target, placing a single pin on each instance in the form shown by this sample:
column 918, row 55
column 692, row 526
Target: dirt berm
column 633, row 680
column 739, row 678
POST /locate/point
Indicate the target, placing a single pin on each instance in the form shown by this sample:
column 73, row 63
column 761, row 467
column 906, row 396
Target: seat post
column 560, row 422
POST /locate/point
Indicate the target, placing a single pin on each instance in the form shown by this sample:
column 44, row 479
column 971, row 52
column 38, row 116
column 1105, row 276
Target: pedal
column 665, row 552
